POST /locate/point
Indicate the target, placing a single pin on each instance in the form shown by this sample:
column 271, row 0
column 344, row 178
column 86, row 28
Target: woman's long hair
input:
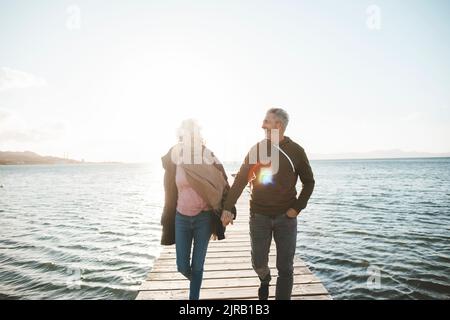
column 190, row 148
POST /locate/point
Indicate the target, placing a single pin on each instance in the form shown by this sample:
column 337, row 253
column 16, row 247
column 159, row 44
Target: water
column 77, row 231
column 374, row 229
column 380, row 229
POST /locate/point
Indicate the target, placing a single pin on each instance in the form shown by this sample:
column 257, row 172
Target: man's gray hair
column 281, row 114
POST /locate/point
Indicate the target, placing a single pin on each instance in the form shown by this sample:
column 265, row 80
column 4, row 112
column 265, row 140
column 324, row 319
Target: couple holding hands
column 199, row 202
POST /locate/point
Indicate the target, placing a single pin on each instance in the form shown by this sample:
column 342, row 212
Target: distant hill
column 28, row 157
column 379, row 154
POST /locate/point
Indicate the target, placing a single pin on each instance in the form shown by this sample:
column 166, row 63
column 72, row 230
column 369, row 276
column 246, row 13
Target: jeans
column 284, row 231
column 197, row 228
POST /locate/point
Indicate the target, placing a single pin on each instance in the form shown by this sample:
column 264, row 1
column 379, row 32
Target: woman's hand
column 226, row 217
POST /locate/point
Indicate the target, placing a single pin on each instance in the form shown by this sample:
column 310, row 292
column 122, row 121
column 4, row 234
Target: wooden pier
column 228, row 272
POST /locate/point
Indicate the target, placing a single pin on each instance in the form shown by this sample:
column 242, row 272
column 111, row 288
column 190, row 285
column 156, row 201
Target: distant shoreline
column 60, row 164
column 386, row 158
column 358, row 159
column 31, row 158
column 224, row 162
column 11, row 158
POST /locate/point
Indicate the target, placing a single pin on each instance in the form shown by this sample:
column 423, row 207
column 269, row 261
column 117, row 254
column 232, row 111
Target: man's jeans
column 197, row 228
column 284, row 231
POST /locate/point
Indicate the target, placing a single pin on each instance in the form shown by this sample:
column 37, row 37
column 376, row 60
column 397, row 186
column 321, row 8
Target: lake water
column 374, row 229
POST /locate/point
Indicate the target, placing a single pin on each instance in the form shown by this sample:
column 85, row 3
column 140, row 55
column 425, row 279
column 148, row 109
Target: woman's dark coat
column 170, row 203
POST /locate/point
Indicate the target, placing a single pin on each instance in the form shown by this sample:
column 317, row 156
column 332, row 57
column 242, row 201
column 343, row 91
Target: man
column 274, row 205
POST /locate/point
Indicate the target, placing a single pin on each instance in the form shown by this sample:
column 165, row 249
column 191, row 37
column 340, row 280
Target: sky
column 112, row 80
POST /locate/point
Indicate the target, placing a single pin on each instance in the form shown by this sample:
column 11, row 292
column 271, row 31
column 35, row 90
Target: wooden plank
column 220, row 283
column 225, row 249
column 218, row 254
column 217, row 266
column 314, row 297
column 223, row 274
column 307, row 297
column 236, row 240
column 240, row 239
column 218, row 260
column 307, row 289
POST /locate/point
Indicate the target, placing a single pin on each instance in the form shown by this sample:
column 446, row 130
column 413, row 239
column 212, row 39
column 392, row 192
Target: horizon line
column 314, row 157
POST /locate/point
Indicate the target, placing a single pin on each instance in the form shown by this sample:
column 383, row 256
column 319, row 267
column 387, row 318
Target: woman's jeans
column 197, row 228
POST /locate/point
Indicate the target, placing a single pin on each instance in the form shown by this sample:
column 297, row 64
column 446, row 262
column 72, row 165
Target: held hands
column 226, row 218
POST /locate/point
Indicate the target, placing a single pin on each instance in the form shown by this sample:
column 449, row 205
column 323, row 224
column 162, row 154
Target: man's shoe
column 263, row 292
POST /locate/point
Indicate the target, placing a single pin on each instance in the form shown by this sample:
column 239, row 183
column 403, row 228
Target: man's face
column 270, row 123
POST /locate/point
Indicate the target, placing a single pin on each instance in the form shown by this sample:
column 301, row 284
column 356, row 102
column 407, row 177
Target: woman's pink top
column 189, row 202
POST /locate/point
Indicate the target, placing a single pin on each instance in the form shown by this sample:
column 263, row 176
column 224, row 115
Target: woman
column 195, row 185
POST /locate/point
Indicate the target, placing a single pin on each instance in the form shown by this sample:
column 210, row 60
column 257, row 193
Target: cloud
column 14, row 128
column 4, row 115
column 413, row 116
column 48, row 132
column 12, row 79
